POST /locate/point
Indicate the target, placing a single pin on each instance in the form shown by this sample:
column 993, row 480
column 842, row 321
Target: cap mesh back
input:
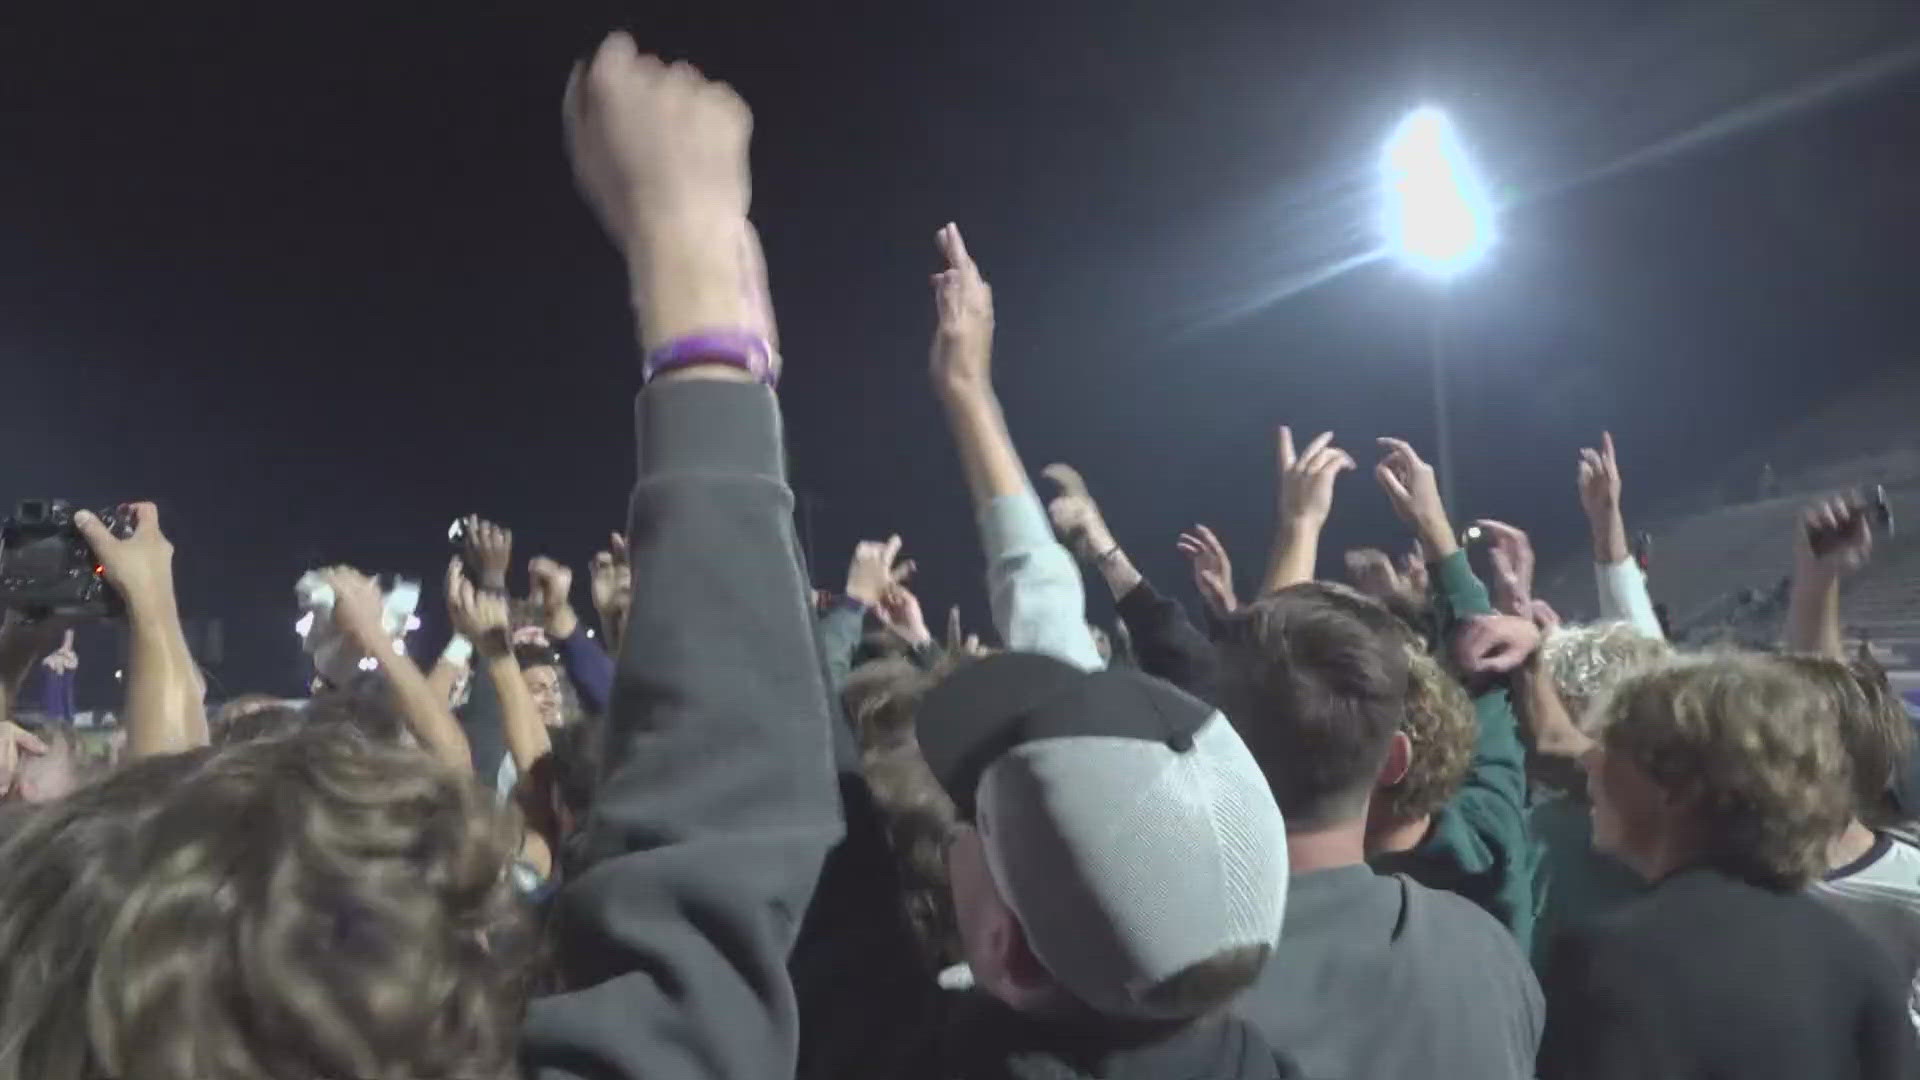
column 1127, row 861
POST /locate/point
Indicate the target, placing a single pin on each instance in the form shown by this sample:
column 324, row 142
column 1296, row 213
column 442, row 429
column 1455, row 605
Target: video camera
column 47, row 567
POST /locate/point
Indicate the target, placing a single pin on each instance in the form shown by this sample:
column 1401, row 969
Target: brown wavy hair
column 1752, row 746
column 302, row 905
column 1873, row 725
column 883, row 698
column 1441, row 725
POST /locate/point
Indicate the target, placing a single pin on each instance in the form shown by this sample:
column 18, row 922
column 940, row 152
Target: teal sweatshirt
column 1479, row 845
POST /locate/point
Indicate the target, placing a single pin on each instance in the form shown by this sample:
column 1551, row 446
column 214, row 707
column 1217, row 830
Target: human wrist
column 717, row 371
column 963, row 389
column 492, row 643
column 1118, row 571
column 685, row 272
column 1610, row 540
column 493, row 580
column 562, row 623
column 1436, row 537
column 151, row 607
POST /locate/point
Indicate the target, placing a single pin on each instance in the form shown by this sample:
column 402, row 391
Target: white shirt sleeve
column 1039, row 600
column 1624, row 596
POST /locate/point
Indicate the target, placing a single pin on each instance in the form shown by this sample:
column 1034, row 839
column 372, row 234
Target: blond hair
column 1750, row 746
column 1585, row 660
column 311, row 904
column 1441, row 726
column 1874, row 727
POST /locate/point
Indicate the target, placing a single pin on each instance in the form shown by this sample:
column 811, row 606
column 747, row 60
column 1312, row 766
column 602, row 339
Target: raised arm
column 588, row 666
column 1813, row 604
column 480, row 615
column 1621, row 582
column 612, row 582
column 161, row 690
column 1303, row 490
column 1166, row 643
column 717, row 803
column 1039, row 601
column 356, row 611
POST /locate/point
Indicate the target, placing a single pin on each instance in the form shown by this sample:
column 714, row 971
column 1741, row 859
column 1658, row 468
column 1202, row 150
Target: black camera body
column 48, row 568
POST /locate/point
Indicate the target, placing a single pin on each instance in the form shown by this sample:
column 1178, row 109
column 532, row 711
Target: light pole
column 1438, row 222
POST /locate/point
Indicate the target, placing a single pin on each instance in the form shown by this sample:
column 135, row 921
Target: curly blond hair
column 1874, row 727
column 1441, row 725
column 310, row 904
column 1584, row 660
column 1751, row 746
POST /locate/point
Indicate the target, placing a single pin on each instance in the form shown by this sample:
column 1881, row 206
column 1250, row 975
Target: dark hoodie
column 986, row 1040
column 716, row 806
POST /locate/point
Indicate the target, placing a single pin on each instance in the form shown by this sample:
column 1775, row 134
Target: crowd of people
column 1409, row 825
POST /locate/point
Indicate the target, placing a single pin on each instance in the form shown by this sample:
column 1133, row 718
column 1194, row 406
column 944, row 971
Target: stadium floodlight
column 1438, row 219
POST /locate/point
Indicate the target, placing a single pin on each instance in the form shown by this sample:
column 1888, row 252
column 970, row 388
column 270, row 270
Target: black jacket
column 1167, row 645
column 717, row 805
column 1707, row 976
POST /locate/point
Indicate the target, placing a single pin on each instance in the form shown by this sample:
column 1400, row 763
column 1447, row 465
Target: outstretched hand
column 899, row 611
column 15, row 741
column 647, row 138
column 1414, row 491
column 1495, row 644
column 1513, row 561
column 358, row 609
column 489, row 550
column 1075, row 515
column 553, row 592
column 479, row 615
column 1212, row 570
column 1600, row 481
column 140, row 565
column 1851, row 545
column 963, row 302
column 1600, row 498
column 875, row 569
column 1305, row 479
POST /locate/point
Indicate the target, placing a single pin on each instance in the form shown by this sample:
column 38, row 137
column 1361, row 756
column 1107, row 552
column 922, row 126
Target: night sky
column 319, row 282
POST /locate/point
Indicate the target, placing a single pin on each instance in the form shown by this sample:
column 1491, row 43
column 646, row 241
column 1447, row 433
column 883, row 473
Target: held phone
column 1872, row 507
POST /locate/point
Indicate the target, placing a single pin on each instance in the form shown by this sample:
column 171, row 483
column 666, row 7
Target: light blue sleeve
column 1039, row 601
column 1624, row 596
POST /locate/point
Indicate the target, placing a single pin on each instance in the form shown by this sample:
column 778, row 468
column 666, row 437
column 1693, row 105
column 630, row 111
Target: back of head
column 1119, row 855
column 310, row 904
column 1873, row 726
column 1441, row 728
column 1750, row 748
column 1584, row 661
column 1315, row 679
column 882, row 697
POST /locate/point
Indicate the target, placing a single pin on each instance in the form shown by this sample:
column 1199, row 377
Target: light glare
column 1438, row 218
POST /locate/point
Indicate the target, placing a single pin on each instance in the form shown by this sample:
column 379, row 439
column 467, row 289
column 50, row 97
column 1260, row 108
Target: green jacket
column 1479, row 845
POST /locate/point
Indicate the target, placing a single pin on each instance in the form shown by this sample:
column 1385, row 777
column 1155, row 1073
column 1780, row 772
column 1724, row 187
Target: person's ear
column 992, row 939
column 1399, row 761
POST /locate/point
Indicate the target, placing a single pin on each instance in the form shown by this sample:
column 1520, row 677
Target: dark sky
column 318, row 282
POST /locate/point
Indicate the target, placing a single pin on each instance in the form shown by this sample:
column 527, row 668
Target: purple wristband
column 743, row 349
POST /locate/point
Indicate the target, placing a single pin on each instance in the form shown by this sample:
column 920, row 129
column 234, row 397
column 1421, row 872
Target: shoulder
column 1459, row 926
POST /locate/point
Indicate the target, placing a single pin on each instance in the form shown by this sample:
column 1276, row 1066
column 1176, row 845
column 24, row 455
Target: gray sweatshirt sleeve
column 1039, row 601
column 717, row 803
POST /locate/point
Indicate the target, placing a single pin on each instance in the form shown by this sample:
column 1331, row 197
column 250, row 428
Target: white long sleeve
column 1624, row 596
column 1039, row 600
